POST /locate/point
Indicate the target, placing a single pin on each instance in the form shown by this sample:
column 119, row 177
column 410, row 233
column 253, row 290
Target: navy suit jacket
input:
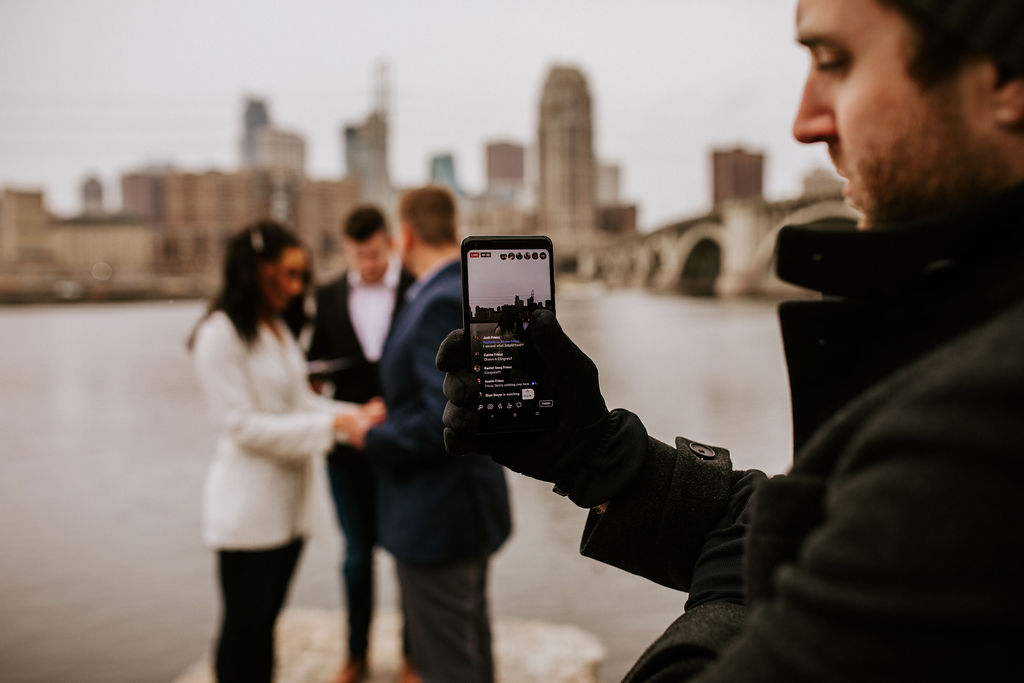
column 432, row 508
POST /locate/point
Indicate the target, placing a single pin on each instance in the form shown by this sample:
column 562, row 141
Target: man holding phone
column 889, row 552
column 441, row 518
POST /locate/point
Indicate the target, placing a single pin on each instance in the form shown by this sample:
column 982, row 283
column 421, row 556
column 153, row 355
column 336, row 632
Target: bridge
column 727, row 252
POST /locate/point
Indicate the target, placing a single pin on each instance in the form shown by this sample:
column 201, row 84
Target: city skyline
column 495, row 281
column 104, row 87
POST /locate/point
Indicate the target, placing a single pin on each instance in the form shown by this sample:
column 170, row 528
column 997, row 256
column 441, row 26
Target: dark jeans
column 253, row 584
column 447, row 620
column 353, row 489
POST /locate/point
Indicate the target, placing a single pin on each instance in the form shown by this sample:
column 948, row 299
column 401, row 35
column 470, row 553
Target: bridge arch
column 701, row 268
column 729, row 251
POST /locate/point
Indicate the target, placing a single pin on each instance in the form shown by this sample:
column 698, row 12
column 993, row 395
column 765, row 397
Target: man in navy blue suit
column 440, row 517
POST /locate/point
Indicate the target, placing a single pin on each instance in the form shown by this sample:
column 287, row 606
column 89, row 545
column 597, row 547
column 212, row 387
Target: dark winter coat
column 892, row 550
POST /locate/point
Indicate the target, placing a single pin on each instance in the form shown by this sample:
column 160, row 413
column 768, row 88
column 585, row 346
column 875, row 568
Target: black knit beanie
column 992, row 27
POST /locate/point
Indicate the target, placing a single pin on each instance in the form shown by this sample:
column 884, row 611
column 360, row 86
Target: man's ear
column 1009, row 103
column 406, row 237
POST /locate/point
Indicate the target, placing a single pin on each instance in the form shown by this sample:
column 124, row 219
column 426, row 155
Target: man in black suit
column 354, row 314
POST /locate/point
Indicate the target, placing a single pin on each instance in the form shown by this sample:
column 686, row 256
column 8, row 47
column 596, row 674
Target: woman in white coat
column 256, row 495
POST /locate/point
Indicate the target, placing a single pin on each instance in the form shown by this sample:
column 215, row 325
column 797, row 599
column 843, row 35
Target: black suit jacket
column 334, row 338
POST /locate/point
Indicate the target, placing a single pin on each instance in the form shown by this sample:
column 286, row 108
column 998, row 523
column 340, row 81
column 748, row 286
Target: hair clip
column 256, row 239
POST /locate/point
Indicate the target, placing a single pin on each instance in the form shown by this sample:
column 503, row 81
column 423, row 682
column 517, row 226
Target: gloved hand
column 591, row 455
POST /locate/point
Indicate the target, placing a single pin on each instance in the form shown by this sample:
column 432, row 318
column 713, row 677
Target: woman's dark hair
column 240, row 296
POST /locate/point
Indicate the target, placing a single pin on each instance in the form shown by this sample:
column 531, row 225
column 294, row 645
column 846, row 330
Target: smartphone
column 504, row 280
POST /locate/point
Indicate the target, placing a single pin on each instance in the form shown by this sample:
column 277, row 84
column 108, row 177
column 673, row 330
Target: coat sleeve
column 412, row 435
column 682, row 524
column 913, row 570
column 658, row 527
column 219, row 358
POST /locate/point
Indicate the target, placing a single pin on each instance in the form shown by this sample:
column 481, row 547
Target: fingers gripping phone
column 504, row 280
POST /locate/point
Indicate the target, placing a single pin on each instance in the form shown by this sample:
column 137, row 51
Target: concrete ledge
column 525, row 651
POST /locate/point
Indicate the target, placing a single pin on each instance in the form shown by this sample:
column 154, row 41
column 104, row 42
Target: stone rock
column 309, row 644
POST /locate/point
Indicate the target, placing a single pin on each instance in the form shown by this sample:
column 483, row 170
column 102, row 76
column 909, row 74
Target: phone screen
column 505, row 279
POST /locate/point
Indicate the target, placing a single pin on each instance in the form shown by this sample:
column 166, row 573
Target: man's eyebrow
column 811, row 40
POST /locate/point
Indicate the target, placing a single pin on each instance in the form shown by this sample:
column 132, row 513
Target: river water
column 104, row 442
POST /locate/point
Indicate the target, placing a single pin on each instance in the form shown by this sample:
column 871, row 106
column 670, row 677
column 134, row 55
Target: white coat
column 257, row 490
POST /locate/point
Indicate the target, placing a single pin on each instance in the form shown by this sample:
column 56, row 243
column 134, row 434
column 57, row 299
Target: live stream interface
column 505, row 287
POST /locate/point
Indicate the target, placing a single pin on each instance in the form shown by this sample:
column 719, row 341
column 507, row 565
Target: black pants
column 353, row 490
column 253, row 586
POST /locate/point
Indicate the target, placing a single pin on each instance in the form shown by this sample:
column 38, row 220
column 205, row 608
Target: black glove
column 591, row 455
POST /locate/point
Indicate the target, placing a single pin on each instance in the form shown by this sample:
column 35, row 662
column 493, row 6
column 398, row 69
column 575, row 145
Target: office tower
column 23, row 227
column 609, row 181
column 142, row 194
column 254, row 120
column 567, row 205
column 736, row 174
column 506, row 170
column 442, row 172
column 202, row 210
column 366, row 146
column 322, row 207
column 281, row 152
column 92, row 197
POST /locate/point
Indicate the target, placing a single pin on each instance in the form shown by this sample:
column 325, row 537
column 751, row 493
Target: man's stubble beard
column 926, row 169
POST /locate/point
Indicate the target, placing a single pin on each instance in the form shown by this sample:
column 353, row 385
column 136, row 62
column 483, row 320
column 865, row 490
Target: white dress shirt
column 257, row 490
column 370, row 308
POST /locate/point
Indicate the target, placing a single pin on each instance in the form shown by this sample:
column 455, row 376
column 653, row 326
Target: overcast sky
column 104, row 86
column 494, row 282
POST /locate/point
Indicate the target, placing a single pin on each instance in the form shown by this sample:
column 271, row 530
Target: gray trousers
column 447, row 621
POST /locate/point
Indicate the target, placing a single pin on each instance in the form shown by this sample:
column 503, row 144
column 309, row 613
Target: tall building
column 92, row 197
column 202, row 210
column 279, row 151
column 323, row 205
column 736, row 174
column 142, row 194
column 24, row 238
column 366, row 146
column 506, row 206
column 506, row 170
column 609, row 181
column 278, row 155
column 366, row 157
column 615, row 218
column 442, row 172
column 254, row 120
column 567, row 205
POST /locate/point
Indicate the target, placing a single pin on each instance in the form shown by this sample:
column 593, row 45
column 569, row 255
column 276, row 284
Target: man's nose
column 815, row 119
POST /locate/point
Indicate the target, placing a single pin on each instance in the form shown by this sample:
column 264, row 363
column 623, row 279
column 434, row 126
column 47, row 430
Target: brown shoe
column 408, row 674
column 354, row 671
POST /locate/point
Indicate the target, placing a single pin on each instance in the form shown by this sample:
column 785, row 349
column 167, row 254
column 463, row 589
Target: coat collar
column 435, row 272
column 897, row 259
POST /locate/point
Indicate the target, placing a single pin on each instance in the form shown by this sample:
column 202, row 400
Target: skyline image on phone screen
column 504, row 281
